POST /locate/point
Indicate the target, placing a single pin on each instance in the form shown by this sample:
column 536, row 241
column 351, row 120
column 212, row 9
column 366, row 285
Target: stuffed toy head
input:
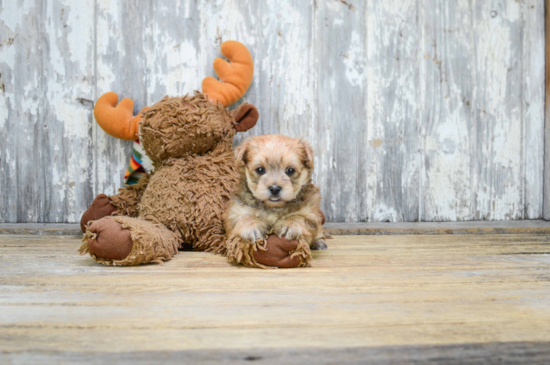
column 176, row 126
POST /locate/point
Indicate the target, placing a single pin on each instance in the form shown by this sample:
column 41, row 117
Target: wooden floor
column 368, row 299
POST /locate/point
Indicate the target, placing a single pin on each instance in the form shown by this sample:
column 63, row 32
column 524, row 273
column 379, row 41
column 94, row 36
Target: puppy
column 275, row 194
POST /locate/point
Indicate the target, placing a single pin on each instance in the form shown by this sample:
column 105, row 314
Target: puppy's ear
column 240, row 153
column 246, row 117
column 307, row 154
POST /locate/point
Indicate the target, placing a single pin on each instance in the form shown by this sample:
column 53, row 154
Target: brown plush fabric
column 270, row 253
column 101, row 207
column 172, row 129
column 190, row 142
column 109, row 240
column 128, row 198
column 151, row 242
column 190, row 196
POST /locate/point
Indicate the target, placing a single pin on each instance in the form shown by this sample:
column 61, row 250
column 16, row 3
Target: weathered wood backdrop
column 418, row 109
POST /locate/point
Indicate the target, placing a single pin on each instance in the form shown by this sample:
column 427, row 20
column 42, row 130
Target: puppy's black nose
column 275, row 189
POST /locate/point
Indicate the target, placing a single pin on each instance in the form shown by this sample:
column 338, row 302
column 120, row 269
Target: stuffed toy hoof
column 124, row 241
column 270, row 253
column 109, row 240
column 101, row 207
column 277, row 252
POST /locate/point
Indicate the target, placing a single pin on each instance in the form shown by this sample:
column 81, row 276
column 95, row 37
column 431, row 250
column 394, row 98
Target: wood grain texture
column 497, row 353
column 370, row 228
column 499, row 181
column 546, row 174
column 173, row 49
column 417, row 110
column 365, row 293
column 20, row 102
column 448, row 124
column 341, row 145
column 392, row 111
column 533, row 70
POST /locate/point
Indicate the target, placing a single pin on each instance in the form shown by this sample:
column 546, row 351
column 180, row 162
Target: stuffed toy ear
column 246, row 117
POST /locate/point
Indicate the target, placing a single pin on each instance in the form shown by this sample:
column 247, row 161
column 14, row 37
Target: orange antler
column 117, row 120
column 235, row 76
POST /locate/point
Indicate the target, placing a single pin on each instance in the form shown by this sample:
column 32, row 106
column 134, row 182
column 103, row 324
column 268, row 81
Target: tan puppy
column 275, row 194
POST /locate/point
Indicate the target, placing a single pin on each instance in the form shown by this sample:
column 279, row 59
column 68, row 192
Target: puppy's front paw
column 319, row 245
column 291, row 232
column 252, row 234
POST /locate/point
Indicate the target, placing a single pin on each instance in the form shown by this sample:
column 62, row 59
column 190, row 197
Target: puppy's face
column 275, row 167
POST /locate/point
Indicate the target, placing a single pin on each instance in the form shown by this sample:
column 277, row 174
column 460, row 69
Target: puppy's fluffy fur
column 275, row 194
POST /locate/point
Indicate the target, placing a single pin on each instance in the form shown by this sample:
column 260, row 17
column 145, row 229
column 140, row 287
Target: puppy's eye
column 260, row 171
column 290, row 171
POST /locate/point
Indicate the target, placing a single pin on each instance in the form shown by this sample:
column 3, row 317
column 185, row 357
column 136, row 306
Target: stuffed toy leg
column 122, row 241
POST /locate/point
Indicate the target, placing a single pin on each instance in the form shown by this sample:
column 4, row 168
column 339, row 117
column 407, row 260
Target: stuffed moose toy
column 181, row 203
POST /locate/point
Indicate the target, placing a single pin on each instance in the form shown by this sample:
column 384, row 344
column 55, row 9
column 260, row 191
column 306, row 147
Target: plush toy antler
column 235, row 76
column 235, row 79
column 117, row 120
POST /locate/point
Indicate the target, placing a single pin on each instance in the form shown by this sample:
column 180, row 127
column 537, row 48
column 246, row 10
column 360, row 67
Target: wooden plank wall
column 546, row 176
column 426, row 110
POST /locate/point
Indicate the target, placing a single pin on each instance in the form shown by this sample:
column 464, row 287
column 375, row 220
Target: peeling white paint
column 181, row 65
column 3, row 111
column 408, row 117
column 383, row 213
column 294, row 62
column 29, row 103
column 80, row 20
column 354, row 61
column 75, row 119
column 108, row 35
column 533, row 60
column 13, row 13
column 7, row 58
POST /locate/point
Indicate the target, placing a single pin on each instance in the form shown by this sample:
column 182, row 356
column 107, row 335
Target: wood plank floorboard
column 367, row 299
